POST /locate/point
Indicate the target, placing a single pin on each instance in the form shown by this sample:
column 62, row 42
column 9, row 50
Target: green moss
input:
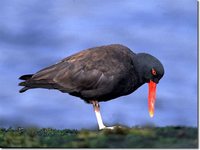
column 136, row 137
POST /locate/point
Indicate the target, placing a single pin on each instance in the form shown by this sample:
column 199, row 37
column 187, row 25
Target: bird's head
column 150, row 70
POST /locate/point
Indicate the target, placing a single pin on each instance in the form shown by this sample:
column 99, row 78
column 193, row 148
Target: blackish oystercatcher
column 100, row 74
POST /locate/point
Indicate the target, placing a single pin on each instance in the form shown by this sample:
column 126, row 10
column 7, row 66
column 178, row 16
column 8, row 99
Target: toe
column 111, row 128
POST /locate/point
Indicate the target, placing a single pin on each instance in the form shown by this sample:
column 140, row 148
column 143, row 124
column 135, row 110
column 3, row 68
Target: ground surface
column 136, row 137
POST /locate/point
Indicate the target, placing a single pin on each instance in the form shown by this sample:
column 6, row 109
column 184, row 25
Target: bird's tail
column 24, row 83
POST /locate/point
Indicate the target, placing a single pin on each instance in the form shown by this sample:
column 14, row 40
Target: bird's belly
column 118, row 92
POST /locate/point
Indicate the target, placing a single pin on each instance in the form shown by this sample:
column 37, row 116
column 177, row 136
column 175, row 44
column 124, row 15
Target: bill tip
column 151, row 114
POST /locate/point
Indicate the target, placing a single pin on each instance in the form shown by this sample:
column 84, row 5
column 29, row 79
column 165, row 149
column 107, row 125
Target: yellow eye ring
column 153, row 71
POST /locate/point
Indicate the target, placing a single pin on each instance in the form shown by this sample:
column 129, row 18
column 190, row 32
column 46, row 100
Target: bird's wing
column 74, row 74
column 61, row 68
column 78, row 80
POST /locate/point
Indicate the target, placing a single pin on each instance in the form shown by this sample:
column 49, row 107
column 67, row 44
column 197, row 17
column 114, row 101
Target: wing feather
column 87, row 74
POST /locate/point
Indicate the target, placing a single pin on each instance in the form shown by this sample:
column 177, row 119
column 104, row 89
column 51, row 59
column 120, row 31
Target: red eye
column 153, row 71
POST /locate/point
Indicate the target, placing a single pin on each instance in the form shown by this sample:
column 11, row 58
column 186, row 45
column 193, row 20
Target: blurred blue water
column 35, row 34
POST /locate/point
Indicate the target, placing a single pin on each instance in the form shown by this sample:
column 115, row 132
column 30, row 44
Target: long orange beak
column 151, row 97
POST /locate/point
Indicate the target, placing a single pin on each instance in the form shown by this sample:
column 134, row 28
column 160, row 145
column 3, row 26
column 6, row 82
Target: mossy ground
column 136, row 137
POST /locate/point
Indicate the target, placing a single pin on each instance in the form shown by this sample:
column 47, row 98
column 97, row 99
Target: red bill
column 151, row 98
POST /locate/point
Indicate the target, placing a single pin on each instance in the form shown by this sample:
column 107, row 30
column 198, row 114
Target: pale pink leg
column 98, row 116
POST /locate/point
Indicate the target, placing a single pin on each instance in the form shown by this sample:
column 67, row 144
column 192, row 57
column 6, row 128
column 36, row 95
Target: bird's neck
column 139, row 69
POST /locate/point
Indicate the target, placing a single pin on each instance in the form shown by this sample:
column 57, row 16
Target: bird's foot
column 110, row 128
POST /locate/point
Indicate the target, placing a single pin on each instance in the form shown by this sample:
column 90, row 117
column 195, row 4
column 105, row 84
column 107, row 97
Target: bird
column 100, row 74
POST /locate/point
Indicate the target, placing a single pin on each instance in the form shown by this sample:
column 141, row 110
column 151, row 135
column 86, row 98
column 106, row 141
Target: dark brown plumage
column 100, row 73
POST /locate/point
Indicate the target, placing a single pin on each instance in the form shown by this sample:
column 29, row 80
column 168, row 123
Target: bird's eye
column 153, row 71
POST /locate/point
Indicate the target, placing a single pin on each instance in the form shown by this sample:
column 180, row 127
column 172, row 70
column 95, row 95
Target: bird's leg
column 98, row 116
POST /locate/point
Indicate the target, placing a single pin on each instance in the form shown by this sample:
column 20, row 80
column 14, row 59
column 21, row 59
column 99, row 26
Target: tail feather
column 26, row 77
column 23, row 89
column 24, row 83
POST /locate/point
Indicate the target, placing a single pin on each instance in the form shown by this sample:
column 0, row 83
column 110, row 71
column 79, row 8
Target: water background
column 35, row 34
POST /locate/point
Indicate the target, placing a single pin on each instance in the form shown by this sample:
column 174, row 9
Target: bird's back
column 100, row 73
